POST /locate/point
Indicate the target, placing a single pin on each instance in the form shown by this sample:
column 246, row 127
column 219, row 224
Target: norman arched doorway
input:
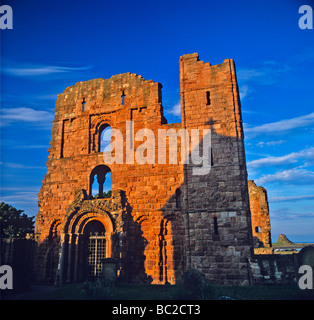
column 86, row 239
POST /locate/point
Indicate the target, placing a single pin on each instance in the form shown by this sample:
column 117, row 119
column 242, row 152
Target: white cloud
column 244, row 90
column 20, row 166
column 293, row 176
column 265, row 74
column 291, row 198
column 25, row 115
column 280, row 126
column 176, row 109
column 306, row 154
column 270, row 143
column 249, row 74
column 32, row 146
column 286, row 214
column 40, row 70
column 272, row 161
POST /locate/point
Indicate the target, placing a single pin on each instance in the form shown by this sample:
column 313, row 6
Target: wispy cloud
column 307, row 155
column 244, row 91
column 268, row 72
column 295, row 176
column 25, row 115
column 291, row 198
column 31, row 70
column 32, row 146
column 286, row 213
column 20, row 195
column 270, row 143
column 175, row 110
column 20, row 166
column 265, row 74
column 23, row 199
column 281, row 126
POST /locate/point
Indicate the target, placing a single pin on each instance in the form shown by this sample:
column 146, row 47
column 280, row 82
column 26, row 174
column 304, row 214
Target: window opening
column 215, row 226
column 207, row 97
column 83, row 104
column 257, row 229
column 105, row 139
column 100, row 182
column 178, row 199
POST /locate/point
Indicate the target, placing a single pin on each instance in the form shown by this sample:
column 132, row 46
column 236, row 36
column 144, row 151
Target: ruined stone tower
column 161, row 219
column 260, row 218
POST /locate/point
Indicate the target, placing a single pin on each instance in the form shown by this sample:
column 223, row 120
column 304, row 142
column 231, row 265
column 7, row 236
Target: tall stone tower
column 163, row 217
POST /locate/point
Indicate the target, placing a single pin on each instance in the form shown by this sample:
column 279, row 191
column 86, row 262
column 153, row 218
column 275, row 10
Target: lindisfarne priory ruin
column 165, row 212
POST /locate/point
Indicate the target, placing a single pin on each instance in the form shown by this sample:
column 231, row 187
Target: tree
column 14, row 223
column 105, row 195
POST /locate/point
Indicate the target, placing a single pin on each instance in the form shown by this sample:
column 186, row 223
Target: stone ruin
column 161, row 219
column 260, row 218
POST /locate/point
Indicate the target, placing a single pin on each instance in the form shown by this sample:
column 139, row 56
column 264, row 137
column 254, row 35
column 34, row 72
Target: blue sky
column 54, row 44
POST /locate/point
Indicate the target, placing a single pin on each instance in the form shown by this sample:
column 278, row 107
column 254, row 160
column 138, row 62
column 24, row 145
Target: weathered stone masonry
column 161, row 219
column 260, row 217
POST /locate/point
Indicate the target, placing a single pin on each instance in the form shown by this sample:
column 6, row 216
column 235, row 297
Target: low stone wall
column 271, row 269
column 269, row 250
column 279, row 269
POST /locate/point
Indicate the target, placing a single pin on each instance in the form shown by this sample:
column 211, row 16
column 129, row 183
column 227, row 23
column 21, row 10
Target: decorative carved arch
column 75, row 220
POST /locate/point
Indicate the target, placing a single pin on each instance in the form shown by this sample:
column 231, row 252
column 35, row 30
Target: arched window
column 100, row 182
column 104, row 138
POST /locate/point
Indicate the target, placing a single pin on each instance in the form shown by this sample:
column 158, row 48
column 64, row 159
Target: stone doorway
column 96, row 254
column 94, row 248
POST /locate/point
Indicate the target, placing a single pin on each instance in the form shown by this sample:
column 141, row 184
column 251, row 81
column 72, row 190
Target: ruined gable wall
column 74, row 152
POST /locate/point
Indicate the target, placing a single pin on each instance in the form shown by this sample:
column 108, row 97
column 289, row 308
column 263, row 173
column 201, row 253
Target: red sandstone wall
column 260, row 215
column 176, row 239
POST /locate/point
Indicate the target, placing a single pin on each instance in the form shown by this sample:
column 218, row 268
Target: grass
column 175, row 292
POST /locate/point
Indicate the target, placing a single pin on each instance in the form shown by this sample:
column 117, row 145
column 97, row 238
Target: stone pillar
column 60, row 269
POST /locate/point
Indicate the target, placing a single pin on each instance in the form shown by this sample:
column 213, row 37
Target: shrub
column 194, row 283
column 96, row 290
